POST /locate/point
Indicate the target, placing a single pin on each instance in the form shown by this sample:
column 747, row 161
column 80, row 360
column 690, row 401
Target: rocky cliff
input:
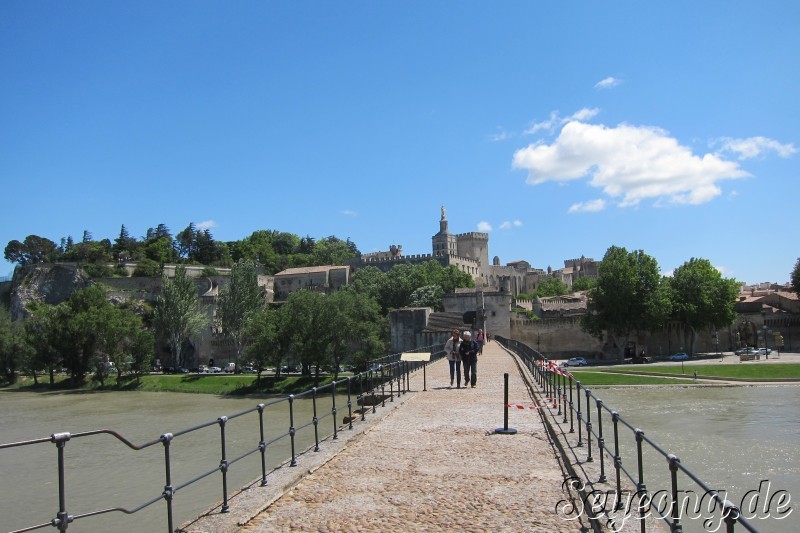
column 48, row 283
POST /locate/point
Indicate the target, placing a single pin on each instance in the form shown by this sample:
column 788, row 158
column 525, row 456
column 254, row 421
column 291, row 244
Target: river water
column 102, row 472
column 733, row 438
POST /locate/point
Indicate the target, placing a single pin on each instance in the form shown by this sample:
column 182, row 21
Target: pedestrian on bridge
column 451, row 348
column 480, row 340
column 469, row 356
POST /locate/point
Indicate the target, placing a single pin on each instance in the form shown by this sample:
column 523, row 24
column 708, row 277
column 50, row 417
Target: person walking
column 451, row 348
column 480, row 340
column 469, row 356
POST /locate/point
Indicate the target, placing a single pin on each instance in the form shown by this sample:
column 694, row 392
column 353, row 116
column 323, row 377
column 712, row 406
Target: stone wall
column 405, row 324
column 556, row 337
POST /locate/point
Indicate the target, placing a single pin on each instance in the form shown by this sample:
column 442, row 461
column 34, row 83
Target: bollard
column 505, row 430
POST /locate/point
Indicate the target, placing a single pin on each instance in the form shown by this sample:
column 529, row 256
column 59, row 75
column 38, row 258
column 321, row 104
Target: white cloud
column 501, row 135
column 206, row 224
column 546, row 125
column 631, row 163
column 583, row 115
column 755, row 147
column 484, row 226
column 607, row 83
column 509, row 224
column 348, row 213
column 556, row 120
column 592, row 206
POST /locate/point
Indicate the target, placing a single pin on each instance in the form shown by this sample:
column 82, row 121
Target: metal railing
column 563, row 395
column 388, row 377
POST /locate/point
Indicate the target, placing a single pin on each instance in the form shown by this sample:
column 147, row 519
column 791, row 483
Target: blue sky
column 561, row 128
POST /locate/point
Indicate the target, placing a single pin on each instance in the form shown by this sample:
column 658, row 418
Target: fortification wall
column 556, row 337
column 405, row 323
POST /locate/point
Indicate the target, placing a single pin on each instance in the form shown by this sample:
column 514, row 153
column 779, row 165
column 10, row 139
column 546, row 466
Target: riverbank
column 235, row 385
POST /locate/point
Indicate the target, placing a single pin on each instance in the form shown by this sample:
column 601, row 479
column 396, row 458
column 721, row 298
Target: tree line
column 632, row 297
column 88, row 335
column 272, row 249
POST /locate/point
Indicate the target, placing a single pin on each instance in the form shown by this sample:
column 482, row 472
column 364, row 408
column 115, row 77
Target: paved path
column 432, row 464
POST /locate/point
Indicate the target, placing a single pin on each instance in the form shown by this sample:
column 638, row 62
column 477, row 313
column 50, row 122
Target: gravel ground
column 430, row 461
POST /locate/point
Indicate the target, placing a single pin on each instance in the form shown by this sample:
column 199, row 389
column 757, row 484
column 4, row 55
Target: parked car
column 248, row 370
column 764, row 351
column 679, row 357
column 289, row 369
column 214, row 370
column 230, row 368
column 202, row 369
column 575, row 361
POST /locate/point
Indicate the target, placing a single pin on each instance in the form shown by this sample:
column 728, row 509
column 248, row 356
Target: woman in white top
column 451, row 350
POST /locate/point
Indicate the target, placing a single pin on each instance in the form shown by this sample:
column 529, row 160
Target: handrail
column 561, row 389
column 368, row 387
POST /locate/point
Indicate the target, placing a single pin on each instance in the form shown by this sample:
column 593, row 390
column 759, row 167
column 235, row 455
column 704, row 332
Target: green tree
column 584, row 284
column 185, row 241
column 629, row 298
column 124, row 245
column 333, row 251
column 41, row 329
column 15, row 352
column 123, row 341
column 551, row 286
column 701, row 298
column 147, row 268
column 795, row 277
column 178, row 313
column 266, row 341
column 238, row 300
column 76, row 326
column 304, row 324
column 397, row 285
column 353, row 325
column 32, row 250
column 427, row 296
column 161, row 250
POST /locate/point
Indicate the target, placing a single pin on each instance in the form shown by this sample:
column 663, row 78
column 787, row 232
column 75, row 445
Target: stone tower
column 444, row 242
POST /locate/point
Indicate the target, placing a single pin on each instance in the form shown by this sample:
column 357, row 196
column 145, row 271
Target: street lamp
column 764, row 327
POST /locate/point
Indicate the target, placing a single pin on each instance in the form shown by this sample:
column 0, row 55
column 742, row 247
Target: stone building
column 324, row 279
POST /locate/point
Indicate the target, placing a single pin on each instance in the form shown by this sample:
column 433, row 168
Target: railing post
column 578, row 414
column 333, row 410
column 564, row 396
column 361, row 394
column 262, row 445
column 223, row 464
column 641, row 488
column 588, row 426
column 350, row 401
column 675, row 514
column 169, row 491
column 557, row 378
column 505, row 430
column 315, row 420
column 617, row 459
column 571, row 423
column 391, row 385
column 291, row 429
column 63, row 518
column 601, row 443
column 383, row 388
column 730, row 514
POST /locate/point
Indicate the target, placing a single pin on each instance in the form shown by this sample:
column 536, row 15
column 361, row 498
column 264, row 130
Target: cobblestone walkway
column 434, row 464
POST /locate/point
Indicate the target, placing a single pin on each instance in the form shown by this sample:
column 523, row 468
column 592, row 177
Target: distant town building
column 469, row 252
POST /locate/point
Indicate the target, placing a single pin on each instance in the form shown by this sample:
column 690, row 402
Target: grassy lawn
column 601, row 378
column 748, row 370
column 225, row 384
